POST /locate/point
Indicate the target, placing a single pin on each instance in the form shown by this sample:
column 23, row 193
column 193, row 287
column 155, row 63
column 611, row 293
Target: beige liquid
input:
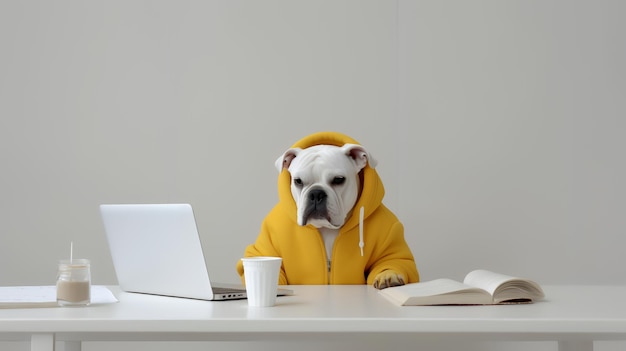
column 73, row 293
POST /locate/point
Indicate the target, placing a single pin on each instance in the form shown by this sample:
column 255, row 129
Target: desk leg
column 71, row 346
column 575, row 345
column 42, row 342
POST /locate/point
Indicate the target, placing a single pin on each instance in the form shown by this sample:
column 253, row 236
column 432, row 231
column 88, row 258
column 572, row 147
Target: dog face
column 324, row 182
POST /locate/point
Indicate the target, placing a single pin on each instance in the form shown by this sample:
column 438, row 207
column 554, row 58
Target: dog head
column 324, row 182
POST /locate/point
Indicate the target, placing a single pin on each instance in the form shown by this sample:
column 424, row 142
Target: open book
column 480, row 287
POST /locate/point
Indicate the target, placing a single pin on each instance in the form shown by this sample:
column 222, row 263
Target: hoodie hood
column 372, row 190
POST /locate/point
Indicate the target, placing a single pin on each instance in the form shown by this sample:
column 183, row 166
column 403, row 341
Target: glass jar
column 74, row 283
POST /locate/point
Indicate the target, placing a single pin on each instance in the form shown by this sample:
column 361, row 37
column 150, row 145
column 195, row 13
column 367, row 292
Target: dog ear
column 285, row 160
column 359, row 155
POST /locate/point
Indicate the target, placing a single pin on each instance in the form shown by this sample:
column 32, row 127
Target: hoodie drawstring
column 361, row 242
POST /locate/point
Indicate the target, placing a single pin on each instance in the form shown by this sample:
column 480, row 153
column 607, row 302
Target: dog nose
column 317, row 197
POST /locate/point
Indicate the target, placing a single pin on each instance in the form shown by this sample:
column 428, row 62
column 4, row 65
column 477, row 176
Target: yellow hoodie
column 302, row 247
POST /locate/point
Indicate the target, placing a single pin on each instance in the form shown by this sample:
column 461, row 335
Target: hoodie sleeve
column 262, row 247
column 394, row 254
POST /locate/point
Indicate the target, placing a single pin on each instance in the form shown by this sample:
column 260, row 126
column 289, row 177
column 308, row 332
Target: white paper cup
column 261, row 276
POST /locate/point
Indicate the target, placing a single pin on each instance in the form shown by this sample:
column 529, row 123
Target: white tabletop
column 569, row 313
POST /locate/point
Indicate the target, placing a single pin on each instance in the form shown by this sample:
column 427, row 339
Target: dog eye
column 339, row 180
column 297, row 181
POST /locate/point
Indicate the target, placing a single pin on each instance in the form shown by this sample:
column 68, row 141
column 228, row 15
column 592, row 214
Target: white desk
column 572, row 315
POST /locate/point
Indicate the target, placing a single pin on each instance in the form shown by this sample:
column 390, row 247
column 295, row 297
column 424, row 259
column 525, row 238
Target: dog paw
column 388, row 279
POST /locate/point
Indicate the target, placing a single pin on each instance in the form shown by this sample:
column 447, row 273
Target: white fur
column 313, row 170
column 316, row 168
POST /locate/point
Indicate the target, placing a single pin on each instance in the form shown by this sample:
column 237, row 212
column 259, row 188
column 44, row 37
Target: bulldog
column 330, row 225
column 325, row 185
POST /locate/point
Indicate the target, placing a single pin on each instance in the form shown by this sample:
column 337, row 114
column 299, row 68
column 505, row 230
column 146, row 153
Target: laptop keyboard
column 218, row 290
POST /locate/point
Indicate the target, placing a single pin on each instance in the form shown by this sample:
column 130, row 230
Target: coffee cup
column 261, row 278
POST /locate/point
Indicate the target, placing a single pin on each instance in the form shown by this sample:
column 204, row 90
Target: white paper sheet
column 46, row 296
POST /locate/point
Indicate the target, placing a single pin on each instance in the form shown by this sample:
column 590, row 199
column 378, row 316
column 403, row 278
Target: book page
column 433, row 287
column 505, row 288
column 438, row 291
column 486, row 280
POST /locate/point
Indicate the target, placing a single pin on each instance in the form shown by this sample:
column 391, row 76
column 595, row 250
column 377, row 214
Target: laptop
column 156, row 250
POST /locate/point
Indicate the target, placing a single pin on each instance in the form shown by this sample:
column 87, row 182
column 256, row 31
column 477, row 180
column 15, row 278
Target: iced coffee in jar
column 74, row 283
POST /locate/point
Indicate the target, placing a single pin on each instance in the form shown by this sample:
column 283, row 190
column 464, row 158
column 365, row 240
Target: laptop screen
column 156, row 249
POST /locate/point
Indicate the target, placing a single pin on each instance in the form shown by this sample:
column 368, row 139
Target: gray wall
column 498, row 124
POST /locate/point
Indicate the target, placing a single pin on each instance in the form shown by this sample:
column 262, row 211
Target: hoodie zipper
column 326, row 256
column 328, row 266
column 361, row 243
